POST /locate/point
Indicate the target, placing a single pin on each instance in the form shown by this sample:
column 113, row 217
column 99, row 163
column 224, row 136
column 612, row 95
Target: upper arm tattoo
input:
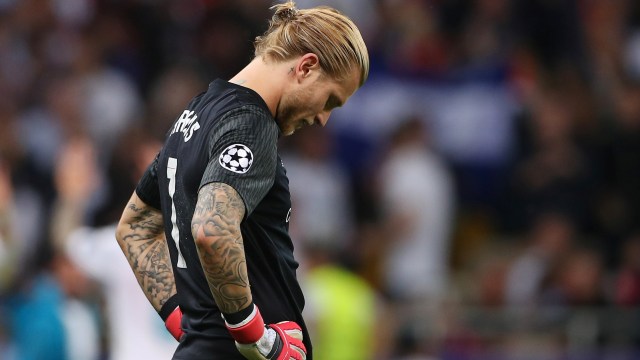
column 142, row 240
column 216, row 230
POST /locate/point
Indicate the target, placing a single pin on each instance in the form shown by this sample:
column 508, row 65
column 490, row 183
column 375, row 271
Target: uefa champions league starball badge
column 237, row 158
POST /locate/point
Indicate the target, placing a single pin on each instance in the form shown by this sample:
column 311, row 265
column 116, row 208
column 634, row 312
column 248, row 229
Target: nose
column 322, row 118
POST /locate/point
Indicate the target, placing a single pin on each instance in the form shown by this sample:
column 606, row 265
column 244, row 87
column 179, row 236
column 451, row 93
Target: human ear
column 308, row 65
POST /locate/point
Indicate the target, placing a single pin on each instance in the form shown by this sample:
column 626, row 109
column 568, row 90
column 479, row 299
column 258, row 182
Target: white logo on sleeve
column 237, row 158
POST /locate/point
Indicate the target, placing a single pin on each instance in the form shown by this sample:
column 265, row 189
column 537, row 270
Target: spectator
column 322, row 209
column 46, row 313
column 579, row 280
column 135, row 329
column 343, row 310
column 553, row 174
column 418, row 206
column 550, row 239
column 627, row 280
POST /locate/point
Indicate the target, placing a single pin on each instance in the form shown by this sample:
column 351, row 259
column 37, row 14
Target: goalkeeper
column 206, row 230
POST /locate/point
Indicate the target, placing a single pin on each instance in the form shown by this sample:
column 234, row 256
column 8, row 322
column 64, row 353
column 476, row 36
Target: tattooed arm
column 140, row 235
column 216, row 231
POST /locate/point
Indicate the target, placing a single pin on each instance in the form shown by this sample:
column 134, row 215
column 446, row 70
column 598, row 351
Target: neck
column 266, row 79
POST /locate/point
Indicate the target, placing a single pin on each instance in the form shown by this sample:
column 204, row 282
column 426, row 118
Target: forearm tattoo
column 142, row 240
column 216, row 229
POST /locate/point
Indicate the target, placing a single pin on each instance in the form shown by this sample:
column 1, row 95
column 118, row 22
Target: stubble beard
column 286, row 118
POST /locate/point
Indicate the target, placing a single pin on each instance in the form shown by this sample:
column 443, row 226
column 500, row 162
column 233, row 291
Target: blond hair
column 323, row 31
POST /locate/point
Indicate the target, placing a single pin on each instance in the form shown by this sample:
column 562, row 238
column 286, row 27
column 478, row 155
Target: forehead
column 344, row 88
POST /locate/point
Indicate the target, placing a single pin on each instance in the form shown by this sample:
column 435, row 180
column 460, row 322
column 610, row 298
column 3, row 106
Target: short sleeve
column 243, row 153
column 147, row 189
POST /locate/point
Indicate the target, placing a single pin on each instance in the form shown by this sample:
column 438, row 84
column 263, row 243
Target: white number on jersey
column 172, row 165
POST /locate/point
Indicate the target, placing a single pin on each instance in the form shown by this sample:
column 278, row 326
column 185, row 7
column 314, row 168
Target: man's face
column 311, row 101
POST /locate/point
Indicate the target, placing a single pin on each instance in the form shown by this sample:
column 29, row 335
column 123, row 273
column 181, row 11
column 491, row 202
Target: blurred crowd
column 477, row 198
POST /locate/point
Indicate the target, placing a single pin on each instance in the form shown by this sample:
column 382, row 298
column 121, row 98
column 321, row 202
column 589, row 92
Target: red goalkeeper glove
column 255, row 341
column 172, row 317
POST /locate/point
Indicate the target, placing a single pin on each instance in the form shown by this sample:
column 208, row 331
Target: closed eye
column 333, row 103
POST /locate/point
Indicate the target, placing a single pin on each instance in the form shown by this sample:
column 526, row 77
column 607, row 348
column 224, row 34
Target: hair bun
column 285, row 12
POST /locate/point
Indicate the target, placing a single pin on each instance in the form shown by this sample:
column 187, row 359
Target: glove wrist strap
column 250, row 329
column 168, row 307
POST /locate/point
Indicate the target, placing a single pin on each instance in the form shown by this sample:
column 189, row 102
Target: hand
column 76, row 171
column 255, row 341
column 173, row 323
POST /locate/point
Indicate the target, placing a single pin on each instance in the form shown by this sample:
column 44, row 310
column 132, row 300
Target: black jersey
column 226, row 135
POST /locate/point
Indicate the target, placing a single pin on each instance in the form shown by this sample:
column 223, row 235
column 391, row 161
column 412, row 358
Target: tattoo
column 216, row 230
column 142, row 240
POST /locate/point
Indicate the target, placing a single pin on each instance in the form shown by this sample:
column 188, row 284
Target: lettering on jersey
column 186, row 124
column 288, row 215
column 237, row 158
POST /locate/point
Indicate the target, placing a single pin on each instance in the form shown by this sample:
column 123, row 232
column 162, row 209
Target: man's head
column 327, row 58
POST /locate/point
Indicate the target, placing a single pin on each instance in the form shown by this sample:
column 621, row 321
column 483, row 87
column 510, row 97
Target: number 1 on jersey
column 172, row 165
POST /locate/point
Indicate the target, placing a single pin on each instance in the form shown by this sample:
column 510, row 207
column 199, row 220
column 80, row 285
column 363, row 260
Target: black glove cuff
column 168, row 307
column 238, row 317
